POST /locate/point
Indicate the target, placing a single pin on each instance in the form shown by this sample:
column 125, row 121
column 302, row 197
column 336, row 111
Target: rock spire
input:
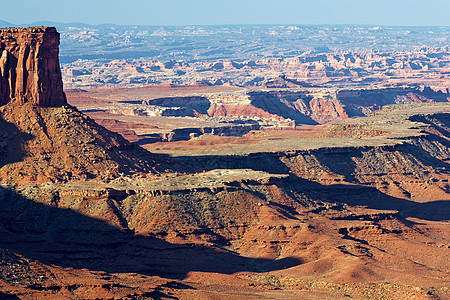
column 29, row 66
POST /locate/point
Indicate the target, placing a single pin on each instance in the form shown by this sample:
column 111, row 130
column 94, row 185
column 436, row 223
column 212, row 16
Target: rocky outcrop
column 29, row 66
column 300, row 106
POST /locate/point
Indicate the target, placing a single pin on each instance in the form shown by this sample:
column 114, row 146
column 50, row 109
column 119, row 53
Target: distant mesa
column 29, row 66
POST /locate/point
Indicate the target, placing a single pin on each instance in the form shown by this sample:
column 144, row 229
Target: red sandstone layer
column 29, row 66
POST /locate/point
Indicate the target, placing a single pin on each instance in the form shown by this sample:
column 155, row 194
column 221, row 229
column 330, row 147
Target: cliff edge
column 29, row 66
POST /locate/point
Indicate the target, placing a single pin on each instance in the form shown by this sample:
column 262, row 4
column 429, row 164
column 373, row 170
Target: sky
column 213, row 12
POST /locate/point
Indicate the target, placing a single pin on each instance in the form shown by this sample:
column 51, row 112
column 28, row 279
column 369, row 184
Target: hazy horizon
column 233, row 12
column 51, row 23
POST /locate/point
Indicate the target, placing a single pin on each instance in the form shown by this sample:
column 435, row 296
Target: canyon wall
column 29, row 66
column 302, row 106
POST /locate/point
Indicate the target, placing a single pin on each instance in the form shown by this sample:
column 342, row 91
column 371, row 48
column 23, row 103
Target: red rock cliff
column 29, row 66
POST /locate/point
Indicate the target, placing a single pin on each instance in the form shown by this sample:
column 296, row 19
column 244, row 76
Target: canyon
column 237, row 192
column 420, row 66
column 176, row 113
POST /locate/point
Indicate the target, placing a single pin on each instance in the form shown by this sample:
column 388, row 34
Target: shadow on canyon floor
column 6, row 296
column 272, row 103
column 362, row 195
column 267, row 162
column 67, row 238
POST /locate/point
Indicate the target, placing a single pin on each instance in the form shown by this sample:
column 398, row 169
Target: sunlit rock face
column 29, row 66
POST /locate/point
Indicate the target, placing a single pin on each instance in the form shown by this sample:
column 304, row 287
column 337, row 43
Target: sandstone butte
column 29, row 66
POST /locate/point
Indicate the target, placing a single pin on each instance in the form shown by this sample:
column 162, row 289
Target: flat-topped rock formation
column 29, row 66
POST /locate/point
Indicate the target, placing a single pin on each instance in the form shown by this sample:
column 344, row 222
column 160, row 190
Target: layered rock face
column 29, row 66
